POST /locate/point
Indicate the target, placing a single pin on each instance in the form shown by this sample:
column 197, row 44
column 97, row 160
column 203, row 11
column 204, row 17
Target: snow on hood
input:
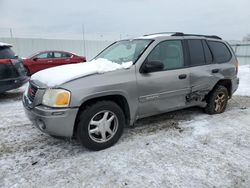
column 61, row 74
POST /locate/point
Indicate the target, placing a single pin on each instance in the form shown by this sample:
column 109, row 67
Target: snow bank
column 244, row 75
column 61, row 74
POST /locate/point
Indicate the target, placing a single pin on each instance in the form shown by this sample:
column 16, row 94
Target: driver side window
column 170, row 53
column 46, row 55
column 42, row 56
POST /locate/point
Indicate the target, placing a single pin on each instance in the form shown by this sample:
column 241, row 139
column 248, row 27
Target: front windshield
column 125, row 51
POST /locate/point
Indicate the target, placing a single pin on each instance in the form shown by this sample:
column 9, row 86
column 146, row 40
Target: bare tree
column 247, row 37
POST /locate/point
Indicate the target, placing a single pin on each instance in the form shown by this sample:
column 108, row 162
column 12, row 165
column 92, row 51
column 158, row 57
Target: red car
column 48, row 59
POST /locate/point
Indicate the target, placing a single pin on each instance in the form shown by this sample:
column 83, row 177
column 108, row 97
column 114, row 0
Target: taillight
column 5, row 61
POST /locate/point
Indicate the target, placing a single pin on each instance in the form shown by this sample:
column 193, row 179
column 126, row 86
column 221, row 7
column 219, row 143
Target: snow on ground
column 186, row 148
column 244, row 75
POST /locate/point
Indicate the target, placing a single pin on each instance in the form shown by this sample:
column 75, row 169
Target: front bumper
column 12, row 83
column 57, row 122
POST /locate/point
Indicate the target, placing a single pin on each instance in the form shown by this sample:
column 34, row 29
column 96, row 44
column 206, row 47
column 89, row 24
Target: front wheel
column 217, row 100
column 100, row 125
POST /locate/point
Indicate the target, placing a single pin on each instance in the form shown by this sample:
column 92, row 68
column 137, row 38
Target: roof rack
column 207, row 36
column 183, row 34
column 162, row 33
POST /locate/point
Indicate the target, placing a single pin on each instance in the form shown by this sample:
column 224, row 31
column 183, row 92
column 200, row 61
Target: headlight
column 56, row 98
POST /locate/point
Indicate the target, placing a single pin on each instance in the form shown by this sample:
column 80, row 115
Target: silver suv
column 169, row 71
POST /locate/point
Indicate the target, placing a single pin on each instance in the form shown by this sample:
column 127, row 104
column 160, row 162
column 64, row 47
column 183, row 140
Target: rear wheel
column 100, row 125
column 217, row 100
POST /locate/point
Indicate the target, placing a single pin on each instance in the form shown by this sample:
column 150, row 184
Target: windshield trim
column 151, row 41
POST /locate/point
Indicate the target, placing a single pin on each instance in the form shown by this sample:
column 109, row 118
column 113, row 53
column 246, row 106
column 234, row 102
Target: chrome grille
column 32, row 92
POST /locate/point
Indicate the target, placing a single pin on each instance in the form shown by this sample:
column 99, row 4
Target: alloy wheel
column 103, row 126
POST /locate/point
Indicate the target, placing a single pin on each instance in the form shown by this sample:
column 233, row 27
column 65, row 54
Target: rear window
column 196, row 52
column 6, row 53
column 220, row 51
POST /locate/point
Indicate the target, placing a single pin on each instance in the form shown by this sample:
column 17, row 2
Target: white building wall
column 24, row 47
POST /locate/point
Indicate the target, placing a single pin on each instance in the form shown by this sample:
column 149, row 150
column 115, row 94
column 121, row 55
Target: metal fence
column 242, row 51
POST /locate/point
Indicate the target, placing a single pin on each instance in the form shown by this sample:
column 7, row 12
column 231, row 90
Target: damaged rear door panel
column 202, row 79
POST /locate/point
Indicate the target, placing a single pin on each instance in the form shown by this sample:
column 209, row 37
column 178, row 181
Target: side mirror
column 152, row 66
column 35, row 59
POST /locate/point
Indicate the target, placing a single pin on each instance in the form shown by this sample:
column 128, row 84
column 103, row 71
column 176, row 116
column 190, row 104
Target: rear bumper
column 235, row 84
column 13, row 83
column 57, row 122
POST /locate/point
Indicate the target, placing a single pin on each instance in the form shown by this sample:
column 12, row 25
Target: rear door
column 61, row 58
column 205, row 70
column 69, row 58
column 200, row 74
column 167, row 89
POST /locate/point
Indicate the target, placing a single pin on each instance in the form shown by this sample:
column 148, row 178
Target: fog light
column 41, row 124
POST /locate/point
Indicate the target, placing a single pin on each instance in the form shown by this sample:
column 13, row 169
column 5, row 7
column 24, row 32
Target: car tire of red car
column 100, row 125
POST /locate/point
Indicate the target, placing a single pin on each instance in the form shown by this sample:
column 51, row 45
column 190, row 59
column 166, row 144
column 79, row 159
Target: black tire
column 86, row 138
column 212, row 100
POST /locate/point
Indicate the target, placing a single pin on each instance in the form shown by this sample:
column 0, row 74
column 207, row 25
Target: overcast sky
column 64, row 18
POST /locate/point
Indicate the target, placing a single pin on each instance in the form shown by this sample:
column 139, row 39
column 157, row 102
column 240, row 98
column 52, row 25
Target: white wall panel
column 24, row 47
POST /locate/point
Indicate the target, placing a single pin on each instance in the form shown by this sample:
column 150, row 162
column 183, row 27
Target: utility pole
column 83, row 39
column 11, row 33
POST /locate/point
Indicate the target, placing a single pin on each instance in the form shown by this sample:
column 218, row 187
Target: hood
column 58, row 75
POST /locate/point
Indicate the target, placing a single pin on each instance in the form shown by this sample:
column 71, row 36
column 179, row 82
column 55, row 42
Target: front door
column 41, row 61
column 164, row 90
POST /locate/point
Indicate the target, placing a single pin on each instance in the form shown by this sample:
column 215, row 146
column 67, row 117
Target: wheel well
column 118, row 99
column 227, row 84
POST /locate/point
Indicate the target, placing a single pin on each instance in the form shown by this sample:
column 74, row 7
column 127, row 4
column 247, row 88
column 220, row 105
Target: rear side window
column 196, row 52
column 220, row 51
column 6, row 53
column 208, row 55
column 66, row 54
column 58, row 55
